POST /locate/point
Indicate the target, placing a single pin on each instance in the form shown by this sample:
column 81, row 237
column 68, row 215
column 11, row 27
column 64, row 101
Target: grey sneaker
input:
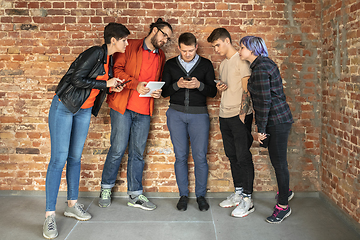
column 77, row 211
column 231, row 201
column 49, row 228
column 141, row 202
column 245, row 207
column 105, row 197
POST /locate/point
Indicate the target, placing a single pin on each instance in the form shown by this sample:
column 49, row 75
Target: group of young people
column 121, row 68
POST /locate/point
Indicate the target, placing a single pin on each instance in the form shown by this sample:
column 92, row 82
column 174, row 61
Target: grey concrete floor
column 22, row 218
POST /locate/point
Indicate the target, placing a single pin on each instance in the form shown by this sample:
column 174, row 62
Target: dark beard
column 154, row 42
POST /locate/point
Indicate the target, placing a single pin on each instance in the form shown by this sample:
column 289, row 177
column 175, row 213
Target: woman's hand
column 113, row 82
column 117, row 89
column 156, row 93
column 261, row 136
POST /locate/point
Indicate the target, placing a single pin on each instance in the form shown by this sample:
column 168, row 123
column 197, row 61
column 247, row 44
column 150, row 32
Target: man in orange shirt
column 130, row 114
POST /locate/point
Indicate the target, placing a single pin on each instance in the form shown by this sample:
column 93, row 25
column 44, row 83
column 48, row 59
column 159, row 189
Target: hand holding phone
column 187, row 78
column 121, row 84
column 221, row 86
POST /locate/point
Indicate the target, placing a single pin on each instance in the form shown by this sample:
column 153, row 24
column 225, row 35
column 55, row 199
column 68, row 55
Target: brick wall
column 340, row 139
column 39, row 40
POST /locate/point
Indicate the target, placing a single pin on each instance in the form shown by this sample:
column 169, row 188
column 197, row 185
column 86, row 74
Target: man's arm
column 208, row 86
column 120, row 60
column 170, row 86
column 246, row 100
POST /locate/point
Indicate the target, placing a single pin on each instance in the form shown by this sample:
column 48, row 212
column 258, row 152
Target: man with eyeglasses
column 130, row 114
column 189, row 80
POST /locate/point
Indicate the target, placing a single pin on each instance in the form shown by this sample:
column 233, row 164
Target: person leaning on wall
column 273, row 117
column 130, row 114
column 189, row 80
column 79, row 94
column 235, row 118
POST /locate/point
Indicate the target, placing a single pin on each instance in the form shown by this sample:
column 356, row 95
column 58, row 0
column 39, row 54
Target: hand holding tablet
column 153, row 86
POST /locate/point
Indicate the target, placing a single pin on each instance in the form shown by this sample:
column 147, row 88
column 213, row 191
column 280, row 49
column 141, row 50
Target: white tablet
column 153, row 86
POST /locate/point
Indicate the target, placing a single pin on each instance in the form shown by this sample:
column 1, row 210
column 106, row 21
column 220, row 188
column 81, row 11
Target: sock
column 239, row 190
column 281, row 207
column 248, row 195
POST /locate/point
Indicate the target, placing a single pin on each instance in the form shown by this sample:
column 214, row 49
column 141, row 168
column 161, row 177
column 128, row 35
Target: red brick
column 107, row 5
column 96, row 5
column 96, row 20
column 70, row 20
column 58, row 5
column 33, row 5
column 134, row 4
column 210, row 14
column 6, row 19
column 83, row 4
column 17, row 19
column 70, row 5
column 45, row 4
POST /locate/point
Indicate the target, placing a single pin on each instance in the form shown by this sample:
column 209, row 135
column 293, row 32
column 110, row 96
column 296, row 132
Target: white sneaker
column 231, row 201
column 245, row 208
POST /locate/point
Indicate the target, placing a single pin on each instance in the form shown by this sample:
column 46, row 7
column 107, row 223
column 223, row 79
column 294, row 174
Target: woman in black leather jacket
column 79, row 94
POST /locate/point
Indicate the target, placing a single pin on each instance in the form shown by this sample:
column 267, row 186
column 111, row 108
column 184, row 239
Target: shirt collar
column 192, row 61
column 147, row 49
column 252, row 65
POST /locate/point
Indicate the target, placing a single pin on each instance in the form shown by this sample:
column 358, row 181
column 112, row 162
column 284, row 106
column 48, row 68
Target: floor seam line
column 213, row 222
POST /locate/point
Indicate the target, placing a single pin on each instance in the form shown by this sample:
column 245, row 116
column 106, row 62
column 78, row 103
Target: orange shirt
column 149, row 68
column 94, row 92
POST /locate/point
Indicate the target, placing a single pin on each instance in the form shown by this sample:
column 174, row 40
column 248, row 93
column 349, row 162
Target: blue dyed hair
column 255, row 45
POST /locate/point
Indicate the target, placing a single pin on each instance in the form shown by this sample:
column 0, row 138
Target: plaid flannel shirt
column 267, row 93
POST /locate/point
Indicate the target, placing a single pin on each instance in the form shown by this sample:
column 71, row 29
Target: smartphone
column 216, row 81
column 187, row 78
column 123, row 83
column 265, row 142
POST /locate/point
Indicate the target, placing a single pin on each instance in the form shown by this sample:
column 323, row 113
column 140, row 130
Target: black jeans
column 237, row 140
column 277, row 151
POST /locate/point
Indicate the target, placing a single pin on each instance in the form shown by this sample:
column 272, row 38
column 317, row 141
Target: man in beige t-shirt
column 235, row 119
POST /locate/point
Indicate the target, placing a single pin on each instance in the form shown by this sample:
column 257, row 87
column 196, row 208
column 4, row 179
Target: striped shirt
column 267, row 93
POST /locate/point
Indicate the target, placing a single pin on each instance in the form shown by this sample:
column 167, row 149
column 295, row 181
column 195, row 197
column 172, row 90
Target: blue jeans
column 196, row 126
column 277, row 152
column 68, row 133
column 129, row 128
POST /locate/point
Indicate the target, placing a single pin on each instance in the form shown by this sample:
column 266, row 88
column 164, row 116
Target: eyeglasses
column 165, row 35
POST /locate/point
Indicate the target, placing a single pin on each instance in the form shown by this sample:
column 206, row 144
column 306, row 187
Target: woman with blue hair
column 272, row 116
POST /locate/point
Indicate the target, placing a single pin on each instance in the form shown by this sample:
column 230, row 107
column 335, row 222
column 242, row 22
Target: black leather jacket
column 75, row 86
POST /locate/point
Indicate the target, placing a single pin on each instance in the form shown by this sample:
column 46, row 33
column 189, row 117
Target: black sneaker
column 182, row 204
column 203, row 205
column 279, row 214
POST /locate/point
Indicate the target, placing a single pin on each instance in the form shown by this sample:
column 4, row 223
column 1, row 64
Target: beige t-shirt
column 231, row 72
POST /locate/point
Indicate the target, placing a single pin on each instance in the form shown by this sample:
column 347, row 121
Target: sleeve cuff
column 202, row 85
column 261, row 130
column 175, row 86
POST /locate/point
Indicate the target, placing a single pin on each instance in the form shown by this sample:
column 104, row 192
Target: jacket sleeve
column 120, row 60
column 208, row 87
column 261, row 96
column 170, row 87
column 86, row 62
